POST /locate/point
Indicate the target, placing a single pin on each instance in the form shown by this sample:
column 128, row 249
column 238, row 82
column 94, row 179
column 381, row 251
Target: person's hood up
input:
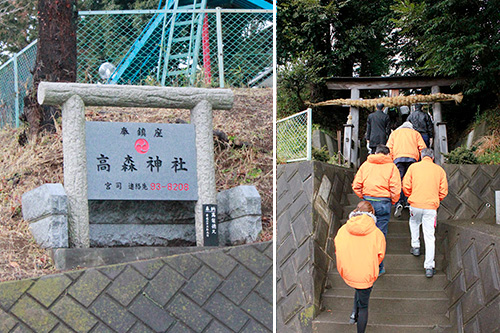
column 406, row 124
column 361, row 223
column 379, row 159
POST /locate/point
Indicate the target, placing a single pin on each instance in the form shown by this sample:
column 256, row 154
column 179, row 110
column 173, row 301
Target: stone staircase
column 402, row 300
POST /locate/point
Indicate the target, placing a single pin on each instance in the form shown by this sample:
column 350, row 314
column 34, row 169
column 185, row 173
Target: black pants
column 361, row 299
column 403, row 167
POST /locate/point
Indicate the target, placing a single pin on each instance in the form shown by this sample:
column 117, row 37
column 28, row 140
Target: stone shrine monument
column 136, row 176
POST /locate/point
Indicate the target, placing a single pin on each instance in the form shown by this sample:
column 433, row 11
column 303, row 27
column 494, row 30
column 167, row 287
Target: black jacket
column 422, row 123
column 377, row 128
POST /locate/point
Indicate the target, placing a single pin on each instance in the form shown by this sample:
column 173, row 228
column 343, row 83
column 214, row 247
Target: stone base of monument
column 124, row 230
column 102, row 235
column 46, row 209
column 71, row 258
column 240, row 215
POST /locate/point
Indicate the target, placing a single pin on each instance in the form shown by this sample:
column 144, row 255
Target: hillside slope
column 245, row 158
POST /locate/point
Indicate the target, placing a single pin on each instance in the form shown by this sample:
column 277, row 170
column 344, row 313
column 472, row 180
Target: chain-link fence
column 15, row 82
column 222, row 48
column 226, row 47
column 294, row 137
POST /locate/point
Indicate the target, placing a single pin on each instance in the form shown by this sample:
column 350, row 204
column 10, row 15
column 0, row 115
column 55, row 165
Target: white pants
column 426, row 218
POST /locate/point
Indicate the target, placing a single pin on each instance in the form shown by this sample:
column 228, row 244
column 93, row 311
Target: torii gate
column 355, row 84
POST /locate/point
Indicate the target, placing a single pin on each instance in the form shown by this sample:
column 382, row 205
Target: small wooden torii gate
column 356, row 84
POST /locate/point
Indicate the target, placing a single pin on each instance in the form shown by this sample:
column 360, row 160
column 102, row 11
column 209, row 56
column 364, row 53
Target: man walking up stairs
column 425, row 185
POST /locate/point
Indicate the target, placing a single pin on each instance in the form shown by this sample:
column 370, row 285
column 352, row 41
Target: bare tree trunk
column 55, row 60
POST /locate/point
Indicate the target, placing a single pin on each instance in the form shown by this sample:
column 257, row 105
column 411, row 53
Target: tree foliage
column 317, row 39
column 17, row 26
column 455, row 38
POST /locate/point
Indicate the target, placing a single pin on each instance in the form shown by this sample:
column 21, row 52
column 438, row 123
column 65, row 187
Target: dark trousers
column 382, row 207
column 403, row 167
column 361, row 299
column 426, row 140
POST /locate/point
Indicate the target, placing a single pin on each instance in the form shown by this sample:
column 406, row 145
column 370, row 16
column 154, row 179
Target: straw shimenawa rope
column 393, row 101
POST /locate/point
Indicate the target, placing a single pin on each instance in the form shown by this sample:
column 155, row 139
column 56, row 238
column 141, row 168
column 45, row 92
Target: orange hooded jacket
column 425, row 184
column 378, row 177
column 360, row 248
column 405, row 142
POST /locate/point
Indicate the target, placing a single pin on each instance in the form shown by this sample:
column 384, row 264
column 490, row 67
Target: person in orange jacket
column 359, row 249
column 405, row 144
column 425, row 185
column 378, row 182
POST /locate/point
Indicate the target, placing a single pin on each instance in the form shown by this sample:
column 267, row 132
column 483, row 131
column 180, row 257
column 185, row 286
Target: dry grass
column 488, row 143
column 245, row 159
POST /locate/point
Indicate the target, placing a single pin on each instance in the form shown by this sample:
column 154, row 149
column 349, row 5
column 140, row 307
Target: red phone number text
column 170, row 186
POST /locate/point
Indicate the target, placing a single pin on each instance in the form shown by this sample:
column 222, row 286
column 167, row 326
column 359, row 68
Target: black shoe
column 398, row 210
column 352, row 319
column 415, row 251
column 429, row 272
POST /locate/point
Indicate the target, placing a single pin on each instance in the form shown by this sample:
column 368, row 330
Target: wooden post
column 441, row 142
column 436, row 115
column 355, row 129
column 348, row 143
column 339, row 145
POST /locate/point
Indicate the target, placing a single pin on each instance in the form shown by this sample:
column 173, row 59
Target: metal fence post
column 162, row 44
column 497, row 206
column 197, row 44
column 220, row 52
column 16, row 89
column 309, row 134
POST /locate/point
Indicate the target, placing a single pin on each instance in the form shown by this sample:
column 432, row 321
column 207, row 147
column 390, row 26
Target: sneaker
column 415, row 251
column 398, row 210
column 352, row 319
column 429, row 272
column 382, row 271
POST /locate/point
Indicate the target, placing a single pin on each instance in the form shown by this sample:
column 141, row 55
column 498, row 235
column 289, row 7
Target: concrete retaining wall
column 310, row 201
column 222, row 290
column 471, row 192
column 472, row 252
column 472, row 246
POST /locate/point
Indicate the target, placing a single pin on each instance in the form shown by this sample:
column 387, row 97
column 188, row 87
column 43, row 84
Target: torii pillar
column 354, row 111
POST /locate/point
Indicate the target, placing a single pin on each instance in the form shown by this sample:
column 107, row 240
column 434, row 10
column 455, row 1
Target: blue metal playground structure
column 170, row 44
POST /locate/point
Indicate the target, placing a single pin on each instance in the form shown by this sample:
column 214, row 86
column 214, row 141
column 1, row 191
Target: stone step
column 338, row 322
column 353, row 199
column 405, row 280
column 407, row 261
column 402, row 245
column 398, row 227
column 389, row 301
column 385, row 294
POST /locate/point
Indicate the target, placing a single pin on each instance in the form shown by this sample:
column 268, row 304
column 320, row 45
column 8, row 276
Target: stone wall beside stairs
column 471, row 192
column 473, row 274
column 222, row 290
column 310, row 204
